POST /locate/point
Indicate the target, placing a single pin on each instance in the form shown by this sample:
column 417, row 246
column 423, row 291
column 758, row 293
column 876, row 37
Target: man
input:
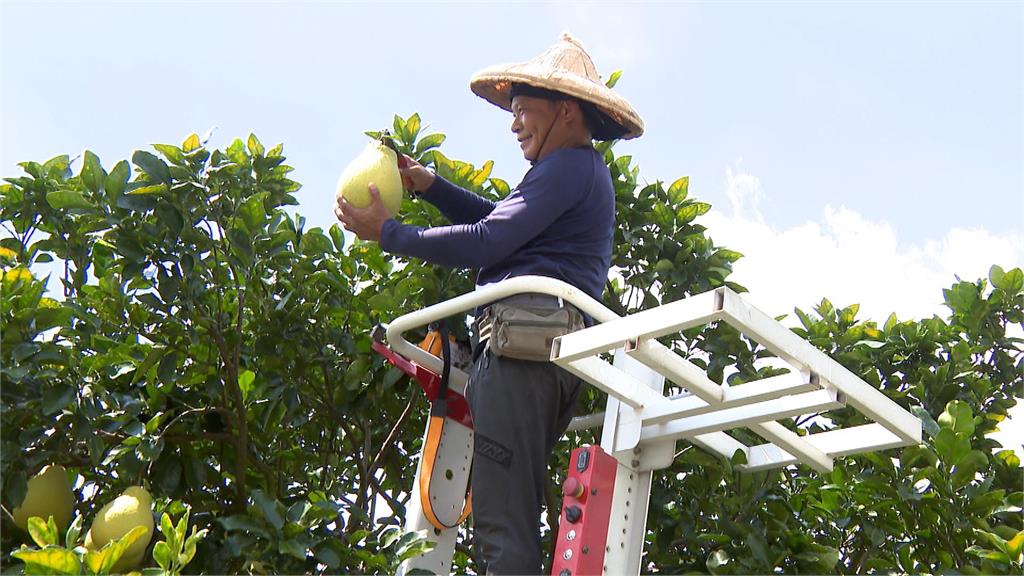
column 559, row 222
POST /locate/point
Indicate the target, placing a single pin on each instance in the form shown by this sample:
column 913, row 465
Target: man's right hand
column 415, row 177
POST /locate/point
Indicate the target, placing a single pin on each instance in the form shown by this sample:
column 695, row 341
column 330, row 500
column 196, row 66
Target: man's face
column 533, row 121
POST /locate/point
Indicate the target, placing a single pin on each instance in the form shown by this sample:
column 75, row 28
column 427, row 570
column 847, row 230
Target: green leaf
column 398, row 127
column 412, row 127
column 500, row 187
column 172, row 153
column 292, row 547
column 153, row 424
column 182, row 529
column 996, row 275
column 163, row 555
column 679, row 189
column 57, row 167
column 1009, row 458
column 55, row 398
column 927, row 422
column 74, row 531
column 49, row 561
column 613, row 79
column 383, row 302
column 170, row 534
column 691, row 211
column 328, row 557
column 958, row 417
column 891, row 322
column 67, row 199
column 413, row 544
column 338, row 237
column 1015, row 546
column 254, row 145
column 950, row 446
column 728, row 255
column 156, row 353
column 190, row 545
column 241, row 242
column 390, row 536
column 961, row 352
column 147, row 190
column 117, row 179
column 191, row 143
column 43, row 532
column 152, row 166
column 102, row 561
column 316, row 243
column 272, row 510
column 758, row 547
column 93, row 174
column 253, row 213
column 150, row 448
column 968, row 466
column 480, row 177
column 243, row 523
column 848, row 314
column 1011, row 282
column 245, row 382
column 427, row 142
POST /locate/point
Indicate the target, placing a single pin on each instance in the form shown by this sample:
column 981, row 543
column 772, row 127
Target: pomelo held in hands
column 377, row 163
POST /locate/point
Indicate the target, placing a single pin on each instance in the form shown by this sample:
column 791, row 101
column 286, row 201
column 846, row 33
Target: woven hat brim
column 494, row 84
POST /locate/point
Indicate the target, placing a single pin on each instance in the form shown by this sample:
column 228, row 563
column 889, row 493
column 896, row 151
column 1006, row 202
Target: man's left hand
column 366, row 223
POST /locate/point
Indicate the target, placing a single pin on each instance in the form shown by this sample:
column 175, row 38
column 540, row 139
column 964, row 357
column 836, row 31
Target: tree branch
column 392, row 435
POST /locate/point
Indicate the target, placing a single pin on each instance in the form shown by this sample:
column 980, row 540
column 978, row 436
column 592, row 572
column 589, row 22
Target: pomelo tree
column 208, row 344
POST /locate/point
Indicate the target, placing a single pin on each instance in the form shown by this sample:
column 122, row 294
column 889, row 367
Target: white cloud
column 745, row 193
column 849, row 259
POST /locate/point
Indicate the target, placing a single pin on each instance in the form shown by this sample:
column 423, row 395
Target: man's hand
column 415, row 177
column 366, row 223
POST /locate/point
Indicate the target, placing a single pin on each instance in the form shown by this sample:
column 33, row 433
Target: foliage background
column 211, row 346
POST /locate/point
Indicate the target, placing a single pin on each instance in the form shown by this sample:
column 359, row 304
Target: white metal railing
column 818, row 383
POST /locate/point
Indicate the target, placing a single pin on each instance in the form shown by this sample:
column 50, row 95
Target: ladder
column 607, row 488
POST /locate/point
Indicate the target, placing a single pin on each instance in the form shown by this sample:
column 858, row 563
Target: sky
column 869, row 153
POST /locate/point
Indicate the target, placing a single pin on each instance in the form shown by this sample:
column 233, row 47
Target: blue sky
column 908, row 113
column 867, row 152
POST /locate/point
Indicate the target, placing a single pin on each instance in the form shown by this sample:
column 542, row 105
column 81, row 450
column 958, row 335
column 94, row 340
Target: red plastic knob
column 573, row 488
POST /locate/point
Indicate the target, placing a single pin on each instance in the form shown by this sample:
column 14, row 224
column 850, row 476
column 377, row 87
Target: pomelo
column 377, row 163
column 49, row 494
column 132, row 508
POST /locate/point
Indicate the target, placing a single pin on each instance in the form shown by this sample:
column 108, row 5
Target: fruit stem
column 387, row 140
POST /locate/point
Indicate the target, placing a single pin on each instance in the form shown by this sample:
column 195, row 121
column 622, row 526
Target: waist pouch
column 526, row 332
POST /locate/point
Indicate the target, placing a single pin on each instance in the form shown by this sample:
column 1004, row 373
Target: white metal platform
column 642, row 425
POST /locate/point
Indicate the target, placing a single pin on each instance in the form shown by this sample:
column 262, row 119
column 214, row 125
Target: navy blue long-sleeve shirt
column 558, row 223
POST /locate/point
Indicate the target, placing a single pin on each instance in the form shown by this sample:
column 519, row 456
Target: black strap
column 439, row 405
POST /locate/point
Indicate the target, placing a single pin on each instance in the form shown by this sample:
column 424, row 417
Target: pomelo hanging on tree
column 132, row 508
column 49, row 494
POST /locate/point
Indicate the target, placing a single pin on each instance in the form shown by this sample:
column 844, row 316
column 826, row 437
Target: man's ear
column 571, row 109
column 572, row 113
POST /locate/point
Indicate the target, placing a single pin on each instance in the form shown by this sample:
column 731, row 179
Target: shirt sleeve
column 547, row 191
column 459, row 206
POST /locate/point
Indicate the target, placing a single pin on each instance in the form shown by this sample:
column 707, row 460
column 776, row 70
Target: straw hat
column 564, row 67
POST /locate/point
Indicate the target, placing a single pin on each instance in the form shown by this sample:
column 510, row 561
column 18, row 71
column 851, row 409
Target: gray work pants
column 520, row 409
